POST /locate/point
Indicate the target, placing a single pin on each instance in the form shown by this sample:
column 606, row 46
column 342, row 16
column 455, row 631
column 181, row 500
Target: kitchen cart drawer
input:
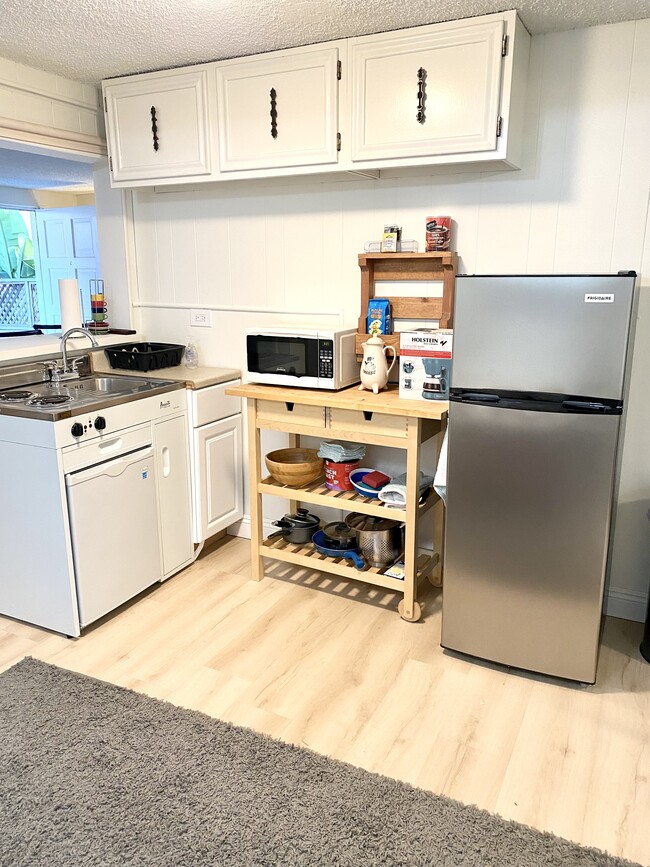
column 212, row 403
column 376, row 423
column 291, row 413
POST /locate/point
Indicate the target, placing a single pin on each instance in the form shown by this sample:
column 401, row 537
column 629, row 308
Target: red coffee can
column 438, row 234
column 337, row 476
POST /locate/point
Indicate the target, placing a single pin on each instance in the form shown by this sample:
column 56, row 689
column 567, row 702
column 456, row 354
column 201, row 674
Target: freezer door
column 565, row 335
column 528, row 513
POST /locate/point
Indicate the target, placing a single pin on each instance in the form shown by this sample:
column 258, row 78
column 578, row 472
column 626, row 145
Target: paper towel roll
column 70, row 304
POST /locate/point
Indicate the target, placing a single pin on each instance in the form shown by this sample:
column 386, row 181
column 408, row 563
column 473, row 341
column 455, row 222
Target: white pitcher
column 375, row 367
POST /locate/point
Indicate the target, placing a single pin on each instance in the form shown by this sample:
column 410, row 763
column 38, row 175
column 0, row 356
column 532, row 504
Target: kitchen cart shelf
column 359, row 416
column 308, row 557
column 318, row 494
column 396, row 267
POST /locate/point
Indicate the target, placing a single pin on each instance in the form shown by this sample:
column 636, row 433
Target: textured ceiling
column 93, row 39
column 33, row 171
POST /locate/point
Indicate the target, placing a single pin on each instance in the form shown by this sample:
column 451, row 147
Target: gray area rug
column 93, row 774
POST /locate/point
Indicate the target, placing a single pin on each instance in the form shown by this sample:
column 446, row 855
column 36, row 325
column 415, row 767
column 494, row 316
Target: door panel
column 461, row 87
column 106, row 574
column 180, row 102
column 219, row 450
column 306, row 101
column 530, row 333
column 172, row 472
column 67, row 248
column 528, row 512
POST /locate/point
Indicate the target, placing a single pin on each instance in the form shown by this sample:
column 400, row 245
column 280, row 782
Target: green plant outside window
column 16, row 248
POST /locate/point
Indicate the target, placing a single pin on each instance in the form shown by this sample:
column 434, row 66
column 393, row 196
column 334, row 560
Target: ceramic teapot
column 375, row 367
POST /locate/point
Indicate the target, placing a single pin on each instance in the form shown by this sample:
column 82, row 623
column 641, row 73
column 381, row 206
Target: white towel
column 440, row 480
column 341, row 452
column 394, row 493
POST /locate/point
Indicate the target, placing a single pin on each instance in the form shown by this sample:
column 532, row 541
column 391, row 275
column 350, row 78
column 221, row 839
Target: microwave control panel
column 325, row 359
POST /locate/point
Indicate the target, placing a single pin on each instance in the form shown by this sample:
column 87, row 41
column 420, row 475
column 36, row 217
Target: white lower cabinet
column 217, row 460
column 219, row 451
column 173, row 480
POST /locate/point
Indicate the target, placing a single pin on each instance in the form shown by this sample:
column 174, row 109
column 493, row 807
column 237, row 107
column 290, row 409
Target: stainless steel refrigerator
column 536, row 402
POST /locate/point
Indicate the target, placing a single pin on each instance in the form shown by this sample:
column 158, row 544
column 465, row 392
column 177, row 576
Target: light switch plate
column 201, row 318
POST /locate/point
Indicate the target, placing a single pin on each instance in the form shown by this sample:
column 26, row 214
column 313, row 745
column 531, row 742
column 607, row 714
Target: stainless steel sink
column 110, row 385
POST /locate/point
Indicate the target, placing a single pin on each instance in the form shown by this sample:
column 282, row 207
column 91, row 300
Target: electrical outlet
column 202, row 318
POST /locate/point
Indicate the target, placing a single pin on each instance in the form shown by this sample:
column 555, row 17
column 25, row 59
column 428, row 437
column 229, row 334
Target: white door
column 67, row 247
column 278, row 111
column 157, row 125
column 173, row 475
column 428, row 92
column 218, row 449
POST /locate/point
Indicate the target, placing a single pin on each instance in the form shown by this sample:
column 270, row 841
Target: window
column 18, row 287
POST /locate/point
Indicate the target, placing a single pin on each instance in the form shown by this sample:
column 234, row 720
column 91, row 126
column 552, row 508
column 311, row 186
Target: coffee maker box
column 425, row 363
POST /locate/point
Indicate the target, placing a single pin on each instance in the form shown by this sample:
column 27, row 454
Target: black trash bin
column 645, row 644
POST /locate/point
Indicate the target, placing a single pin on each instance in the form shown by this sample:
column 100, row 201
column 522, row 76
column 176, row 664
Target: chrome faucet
column 72, row 373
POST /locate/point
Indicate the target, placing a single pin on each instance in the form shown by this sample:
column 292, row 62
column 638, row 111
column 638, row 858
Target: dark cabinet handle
column 422, row 95
column 274, row 114
column 154, row 128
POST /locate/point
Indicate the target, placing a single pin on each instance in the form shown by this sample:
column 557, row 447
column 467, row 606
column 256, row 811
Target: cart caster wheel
column 417, row 612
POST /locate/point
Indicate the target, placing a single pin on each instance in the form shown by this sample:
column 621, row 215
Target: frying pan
column 320, row 544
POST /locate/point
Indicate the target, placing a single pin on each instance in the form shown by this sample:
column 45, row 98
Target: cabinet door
column 278, row 111
column 429, row 92
column 219, row 486
column 174, row 506
column 157, row 126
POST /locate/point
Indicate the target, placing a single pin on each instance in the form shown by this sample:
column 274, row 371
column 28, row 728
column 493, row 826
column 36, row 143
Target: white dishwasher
column 114, row 499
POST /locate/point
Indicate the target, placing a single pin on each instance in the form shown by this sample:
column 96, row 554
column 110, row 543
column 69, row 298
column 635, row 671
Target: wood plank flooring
column 328, row 664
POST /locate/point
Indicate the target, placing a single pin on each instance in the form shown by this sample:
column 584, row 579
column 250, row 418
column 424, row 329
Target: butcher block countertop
column 387, row 402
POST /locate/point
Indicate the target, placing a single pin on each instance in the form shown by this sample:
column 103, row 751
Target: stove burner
column 49, row 400
column 15, row 396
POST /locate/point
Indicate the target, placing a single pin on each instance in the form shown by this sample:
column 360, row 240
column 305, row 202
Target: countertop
column 193, row 377
column 388, row 402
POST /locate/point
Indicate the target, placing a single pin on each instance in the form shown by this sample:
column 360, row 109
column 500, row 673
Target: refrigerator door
column 555, row 334
column 528, row 513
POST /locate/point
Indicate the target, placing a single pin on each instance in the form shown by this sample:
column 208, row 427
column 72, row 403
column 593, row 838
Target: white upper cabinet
column 428, row 96
column 278, row 110
column 157, row 125
column 431, row 93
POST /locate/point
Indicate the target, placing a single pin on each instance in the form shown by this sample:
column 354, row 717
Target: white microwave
column 302, row 357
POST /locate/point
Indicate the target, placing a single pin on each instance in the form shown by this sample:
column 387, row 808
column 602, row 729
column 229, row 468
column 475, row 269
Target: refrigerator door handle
column 585, row 406
column 477, row 396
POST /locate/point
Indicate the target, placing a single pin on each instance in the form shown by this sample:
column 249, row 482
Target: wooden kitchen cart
column 382, row 419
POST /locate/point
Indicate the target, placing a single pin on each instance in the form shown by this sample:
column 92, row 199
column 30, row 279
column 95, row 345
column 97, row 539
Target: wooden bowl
column 294, row 467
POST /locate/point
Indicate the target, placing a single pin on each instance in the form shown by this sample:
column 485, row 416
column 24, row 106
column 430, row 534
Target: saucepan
column 297, row 528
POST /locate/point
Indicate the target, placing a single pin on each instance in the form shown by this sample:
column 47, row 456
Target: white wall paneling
column 41, row 108
column 579, row 204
